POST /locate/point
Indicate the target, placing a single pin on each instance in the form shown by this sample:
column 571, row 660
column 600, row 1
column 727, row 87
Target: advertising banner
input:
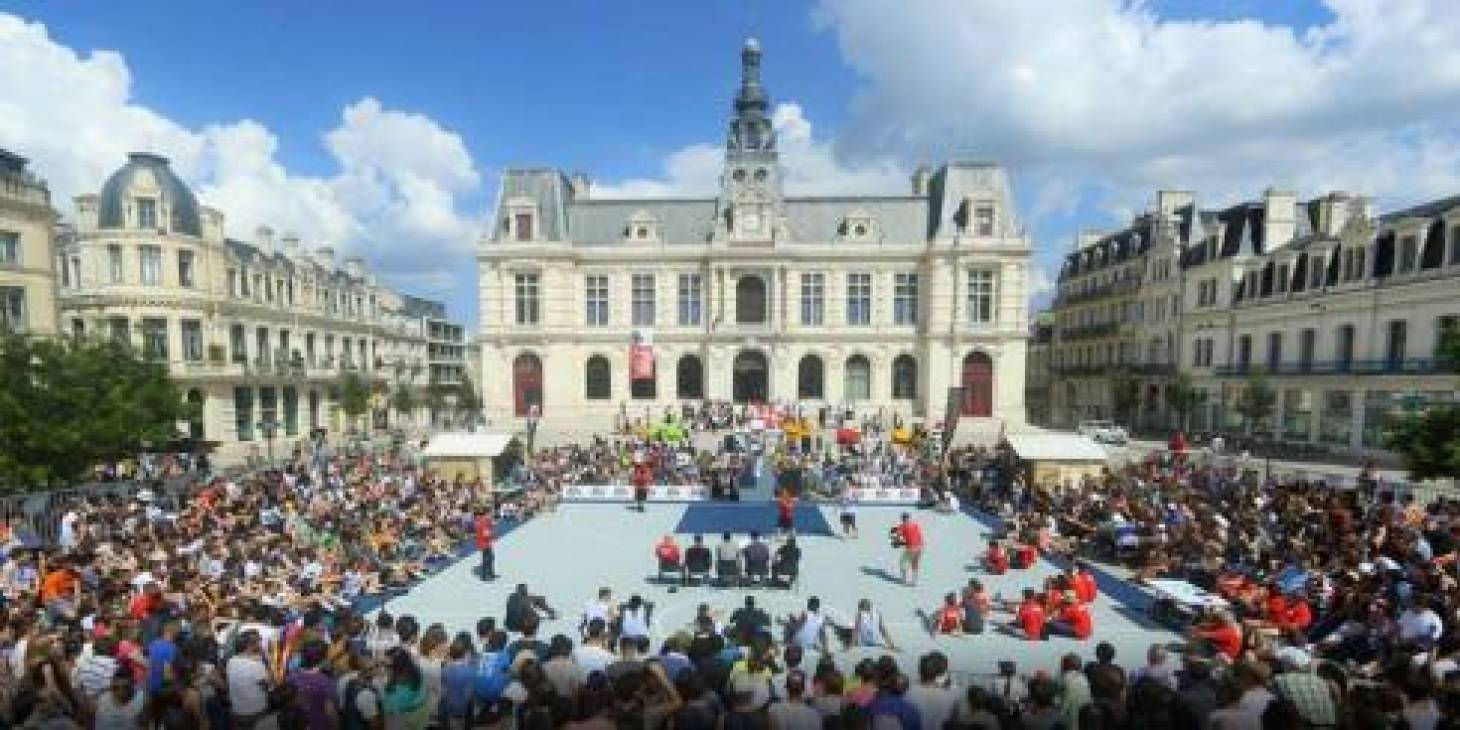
column 641, row 356
column 625, row 493
column 885, row 495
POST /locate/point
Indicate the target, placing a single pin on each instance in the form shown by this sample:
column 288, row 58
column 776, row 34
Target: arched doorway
column 196, row 419
column 689, row 378
column 858, row 379
column 904, row 377
column 978, row 385
column 526, row 384
column 810, row 378
column 750, row 300
column 751, row 377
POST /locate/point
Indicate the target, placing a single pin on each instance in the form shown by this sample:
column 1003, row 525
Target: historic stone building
column 27, row 251
column 878, row 302
column 259, row 334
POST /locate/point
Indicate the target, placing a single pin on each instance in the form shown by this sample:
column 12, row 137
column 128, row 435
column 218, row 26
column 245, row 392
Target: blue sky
column 383, row 127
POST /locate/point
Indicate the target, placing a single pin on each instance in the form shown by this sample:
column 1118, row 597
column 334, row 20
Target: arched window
column 904, row 378
column 978, row 385
column 597, row 379
column 526, row 384
column 810, row 378
column 750, row 300
column 689, row 378
column 858, row 379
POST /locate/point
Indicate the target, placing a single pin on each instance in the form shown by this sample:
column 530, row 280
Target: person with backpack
column 359, row 699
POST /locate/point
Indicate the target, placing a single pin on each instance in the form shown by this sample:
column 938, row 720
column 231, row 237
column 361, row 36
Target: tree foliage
column 1125, row 396
column 1257, row 402
column 1429, row 440
column 354, row 395
column 66, row 406
column 404, row 401
column 1182, row 398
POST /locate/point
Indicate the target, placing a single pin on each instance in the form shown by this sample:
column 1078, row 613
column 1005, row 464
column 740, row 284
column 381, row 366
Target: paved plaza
column 567, row 556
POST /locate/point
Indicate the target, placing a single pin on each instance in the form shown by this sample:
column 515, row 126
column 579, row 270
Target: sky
column 380, row 128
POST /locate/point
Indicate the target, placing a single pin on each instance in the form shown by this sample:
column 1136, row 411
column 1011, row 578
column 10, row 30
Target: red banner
column 641, row 362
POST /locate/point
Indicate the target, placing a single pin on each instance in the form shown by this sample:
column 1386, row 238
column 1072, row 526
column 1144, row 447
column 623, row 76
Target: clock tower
column 750, row 188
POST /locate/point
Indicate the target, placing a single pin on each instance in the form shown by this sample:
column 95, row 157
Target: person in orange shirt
column 666, row 551
column 948, row 620
column 1297, row 615
column 59, row 581
column 1222, row 633
column 786, row 512
column 996, row 561
column 1029, row 617
column 1085, row 587
column 911, row 535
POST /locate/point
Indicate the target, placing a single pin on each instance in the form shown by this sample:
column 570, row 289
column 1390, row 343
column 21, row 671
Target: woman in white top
column 634, row 620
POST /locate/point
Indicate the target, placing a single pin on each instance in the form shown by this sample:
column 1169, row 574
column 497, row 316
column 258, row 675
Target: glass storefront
column 1297, row 415
column 1336, row 423
column 1379, row 405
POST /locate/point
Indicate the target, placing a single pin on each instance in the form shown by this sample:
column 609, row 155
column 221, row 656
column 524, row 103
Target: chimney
column 920, row 178
column 580, row 184
column 263, row 239
column 355, row 267
column 1279, row 220
column 292, row 248
column 325, row 256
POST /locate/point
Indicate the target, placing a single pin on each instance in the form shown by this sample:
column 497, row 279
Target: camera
column 1007, row 668
column 894, row 536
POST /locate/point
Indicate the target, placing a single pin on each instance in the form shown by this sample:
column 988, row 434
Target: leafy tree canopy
column 66, row 406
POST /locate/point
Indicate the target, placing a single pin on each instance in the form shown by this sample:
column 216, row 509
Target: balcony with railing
column 1089, row 331
column 1390, row 366
column 1124, row 286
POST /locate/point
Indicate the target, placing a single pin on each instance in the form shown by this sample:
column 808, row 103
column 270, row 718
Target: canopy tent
column 1057, row 458
column 468, row 455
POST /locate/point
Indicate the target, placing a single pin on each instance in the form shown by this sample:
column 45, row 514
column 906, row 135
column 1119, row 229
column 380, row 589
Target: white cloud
column 1111, row 97
column 396, row 196
column 809, row 166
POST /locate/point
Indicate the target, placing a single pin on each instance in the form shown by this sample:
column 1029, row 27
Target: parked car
column 1105, row 432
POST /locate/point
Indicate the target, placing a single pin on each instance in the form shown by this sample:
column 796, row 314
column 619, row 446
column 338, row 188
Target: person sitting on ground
column 996, row 561
column 867, row 629
column 697, row 558
column 947, row 619
column 788, row 561
column 808, row 630
column 1073, row 619
column 1029, row 617
column 521, row 605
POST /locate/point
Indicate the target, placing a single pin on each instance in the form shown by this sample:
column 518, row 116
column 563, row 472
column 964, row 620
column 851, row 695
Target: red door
column 526, row 383
column 978, row 385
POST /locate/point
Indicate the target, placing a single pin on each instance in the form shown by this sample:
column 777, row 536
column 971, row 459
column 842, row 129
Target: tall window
column 243, row 413
column 232, row 282
column 691, row 300
column 905, row 298
column 1343, row 347
column 597, row 379
column 237, row 344
column 642, row 293
column 813, row 299
column 1408, row 254
column 1307, row 343
column 858, row 379
column 261, row 345
column 9, row 247
column 154, row 339
column 859, row 299
column 185, row 268
column 1445, row 327
column 904, row 378
column 595, row 298
column 12, row 309
column 529, row 305
column 114, row 263
column 689, row 378
column 750, row 300
column 982, row 285
column 1274, row 350
column 524, row 226
column 151, row 265
column 1396, row 344
column 121, row 331
column 1244, row 351
column 810, row 378
column 192, row 340
column 146, row 213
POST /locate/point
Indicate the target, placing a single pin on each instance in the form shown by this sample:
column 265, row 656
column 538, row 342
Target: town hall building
column 593, row 307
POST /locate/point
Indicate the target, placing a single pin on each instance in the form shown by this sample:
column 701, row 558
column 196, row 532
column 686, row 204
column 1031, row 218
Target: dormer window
column 859, row 226
column 147, row 213
column 983, row 219
column 520, row 223
column 642, row 227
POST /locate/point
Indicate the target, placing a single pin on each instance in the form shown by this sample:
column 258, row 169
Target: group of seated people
column 731, row 563
column 1060, row 609
column 998, row 559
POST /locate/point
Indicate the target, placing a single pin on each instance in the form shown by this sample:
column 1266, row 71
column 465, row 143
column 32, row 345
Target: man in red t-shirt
column 910, row 533
column 641, row 477
column 786, row 512
column 1074, row 619
column 484, row 544
column 996, row 561
column 1222, row 633
column 1085, row 588
column 949, row 618
column 1029, row 618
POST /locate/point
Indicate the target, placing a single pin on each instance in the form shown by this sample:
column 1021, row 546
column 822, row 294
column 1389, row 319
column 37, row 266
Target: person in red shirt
column 1025, row 556
column 484, row 544
column 641, row 477
column 786, row 512
column 1297, row 617
column 1029, row 618
column 910, row 533
column 1074, row 619
column 1085, row 588
column 1222, row 633
column 996, row 561
column 948, row 620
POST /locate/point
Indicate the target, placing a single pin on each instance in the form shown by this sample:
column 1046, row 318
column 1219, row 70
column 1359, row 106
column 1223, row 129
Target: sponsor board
column 885, row 495
column 625, row 493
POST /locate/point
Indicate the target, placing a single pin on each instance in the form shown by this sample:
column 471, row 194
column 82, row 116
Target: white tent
column 466, row 445
column 1055, row 447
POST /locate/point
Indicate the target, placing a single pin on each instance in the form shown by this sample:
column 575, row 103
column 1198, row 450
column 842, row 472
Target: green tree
column 68, row 405
column 1125, row 396
column 403, row 400
column 354, row 396
column 1182, row 398
column 468, row 403
column 1257, row 401
column 1429, row 439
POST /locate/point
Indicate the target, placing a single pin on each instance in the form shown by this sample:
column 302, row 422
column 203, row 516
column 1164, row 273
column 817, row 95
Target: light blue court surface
column 567, row 556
